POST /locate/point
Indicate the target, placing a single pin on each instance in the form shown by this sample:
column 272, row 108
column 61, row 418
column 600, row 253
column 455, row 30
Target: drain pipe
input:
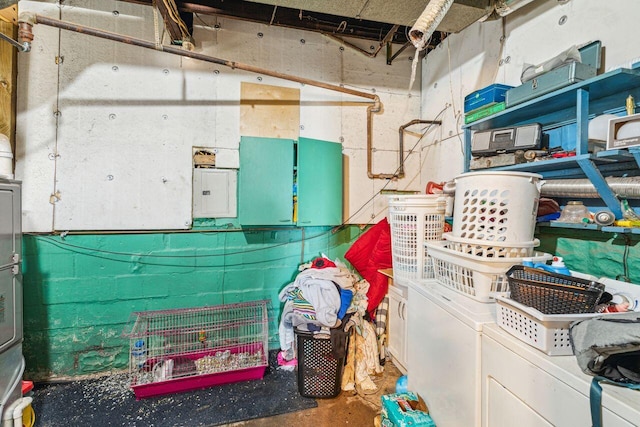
column 27, row 20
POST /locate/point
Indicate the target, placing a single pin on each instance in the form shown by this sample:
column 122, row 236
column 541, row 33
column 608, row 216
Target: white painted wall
column 117, row 155
column 471, row 59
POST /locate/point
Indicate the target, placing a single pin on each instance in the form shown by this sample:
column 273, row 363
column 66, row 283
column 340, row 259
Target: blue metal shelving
column 575, row 104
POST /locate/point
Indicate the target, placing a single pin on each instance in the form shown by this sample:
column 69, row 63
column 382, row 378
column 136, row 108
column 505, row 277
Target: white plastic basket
column 478, row 278
column 549, row 333
column 413, row 220
column 484, row 249
column 499, row 206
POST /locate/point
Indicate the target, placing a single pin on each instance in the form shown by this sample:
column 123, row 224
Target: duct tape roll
column 604, row 218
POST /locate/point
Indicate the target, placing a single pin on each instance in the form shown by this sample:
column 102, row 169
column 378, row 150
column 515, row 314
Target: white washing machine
column 444, row 331
column 521, row 383
column 11, row 361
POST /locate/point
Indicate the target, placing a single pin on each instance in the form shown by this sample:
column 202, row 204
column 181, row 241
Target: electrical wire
column 102, row 253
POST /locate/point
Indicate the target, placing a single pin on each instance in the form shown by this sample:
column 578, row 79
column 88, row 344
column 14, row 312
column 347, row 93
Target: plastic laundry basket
column 478, row 278
column 496, row 206
column 488, row 249
column 319, row 369
column 413, row 220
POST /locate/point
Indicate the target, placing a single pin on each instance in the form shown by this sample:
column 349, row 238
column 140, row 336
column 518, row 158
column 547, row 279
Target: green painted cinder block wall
column 612, row 255
column 80, row 290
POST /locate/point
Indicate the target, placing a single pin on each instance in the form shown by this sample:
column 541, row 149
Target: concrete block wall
column 80, row 290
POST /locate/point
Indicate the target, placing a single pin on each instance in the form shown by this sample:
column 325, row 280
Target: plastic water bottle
column 557, row 265
column 401, row 384
column 138, row 354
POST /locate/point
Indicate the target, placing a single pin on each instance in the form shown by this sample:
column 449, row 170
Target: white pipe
column 7, row 415
column 428, row 22
column 6, row 158
column 19, row 409
column 15, row 383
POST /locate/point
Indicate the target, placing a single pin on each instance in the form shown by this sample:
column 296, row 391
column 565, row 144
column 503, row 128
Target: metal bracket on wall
column 601, row 186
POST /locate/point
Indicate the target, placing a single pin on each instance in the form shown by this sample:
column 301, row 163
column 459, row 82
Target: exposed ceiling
column 383, row 21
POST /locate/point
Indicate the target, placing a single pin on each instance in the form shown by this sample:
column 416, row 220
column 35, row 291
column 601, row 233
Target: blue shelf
column 575, row 104
column 606, row 92
column 593, row 227
column 614, row 162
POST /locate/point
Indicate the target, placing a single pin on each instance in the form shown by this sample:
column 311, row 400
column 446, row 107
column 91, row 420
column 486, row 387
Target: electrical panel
column 214, row 193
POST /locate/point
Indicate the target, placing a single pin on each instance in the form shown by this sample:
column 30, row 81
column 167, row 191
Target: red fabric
column 321, row 262
column 370, row 253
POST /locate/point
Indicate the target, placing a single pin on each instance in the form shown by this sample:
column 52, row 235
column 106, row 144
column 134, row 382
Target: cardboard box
column 402, row 410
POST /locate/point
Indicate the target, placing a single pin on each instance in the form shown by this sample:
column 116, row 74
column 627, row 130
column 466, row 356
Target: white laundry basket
column 478, row 278
column 488, row 249
column 496, row 206
column 413, row 220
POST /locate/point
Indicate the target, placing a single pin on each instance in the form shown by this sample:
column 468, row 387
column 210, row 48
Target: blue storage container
column 486, row 96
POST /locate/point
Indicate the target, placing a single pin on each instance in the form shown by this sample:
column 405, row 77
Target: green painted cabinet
column 265, row 181
column 319, row 182
column 269, row 167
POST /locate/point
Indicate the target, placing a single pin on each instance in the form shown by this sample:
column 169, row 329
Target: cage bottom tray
column 200, row 381
column 197, row 382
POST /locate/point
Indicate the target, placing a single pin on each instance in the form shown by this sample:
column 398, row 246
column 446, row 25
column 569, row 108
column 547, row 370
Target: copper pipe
column 400, row 171
column 375, row 107
column 39, row 19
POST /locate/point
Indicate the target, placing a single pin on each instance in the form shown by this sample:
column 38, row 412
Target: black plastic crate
column 553, row 293
column 319, row 370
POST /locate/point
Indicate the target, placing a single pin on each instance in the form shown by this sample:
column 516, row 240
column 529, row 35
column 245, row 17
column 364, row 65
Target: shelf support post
column 601, row 186
column 467, row 149
column 635, row 151
column 582, row 122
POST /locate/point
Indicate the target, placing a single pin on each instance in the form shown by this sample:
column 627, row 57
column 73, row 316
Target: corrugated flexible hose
column 428, row 21
column 628, row 188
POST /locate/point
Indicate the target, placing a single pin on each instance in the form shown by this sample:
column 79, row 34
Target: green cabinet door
column 319, row 182
column 265, row 181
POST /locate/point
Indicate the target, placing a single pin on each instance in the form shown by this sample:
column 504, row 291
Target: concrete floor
column 348, row 408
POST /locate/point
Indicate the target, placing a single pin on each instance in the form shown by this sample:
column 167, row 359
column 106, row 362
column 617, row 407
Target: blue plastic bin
column 486, row 96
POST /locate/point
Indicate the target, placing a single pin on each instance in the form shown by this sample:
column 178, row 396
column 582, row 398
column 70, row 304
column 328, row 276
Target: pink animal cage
column 187, row 349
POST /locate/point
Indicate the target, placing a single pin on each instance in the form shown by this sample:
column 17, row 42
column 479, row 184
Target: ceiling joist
column 179, row 25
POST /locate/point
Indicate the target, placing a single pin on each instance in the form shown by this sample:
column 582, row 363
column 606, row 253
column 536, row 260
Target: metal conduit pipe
column 628, row 188
column 29, row 19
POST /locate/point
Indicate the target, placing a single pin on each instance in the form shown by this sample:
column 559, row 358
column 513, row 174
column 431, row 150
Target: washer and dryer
column 471, row 372
column 444, row 348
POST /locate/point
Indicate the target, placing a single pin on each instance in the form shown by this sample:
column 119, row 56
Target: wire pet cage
column 187, row 349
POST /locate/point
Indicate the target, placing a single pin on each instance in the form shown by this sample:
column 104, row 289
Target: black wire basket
column 553, row 293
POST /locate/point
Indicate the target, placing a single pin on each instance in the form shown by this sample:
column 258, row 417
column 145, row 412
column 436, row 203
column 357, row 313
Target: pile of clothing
column 327, row 299
column 316, row 301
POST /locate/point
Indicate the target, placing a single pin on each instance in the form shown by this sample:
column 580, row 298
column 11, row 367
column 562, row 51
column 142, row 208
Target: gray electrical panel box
column 215, row 193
